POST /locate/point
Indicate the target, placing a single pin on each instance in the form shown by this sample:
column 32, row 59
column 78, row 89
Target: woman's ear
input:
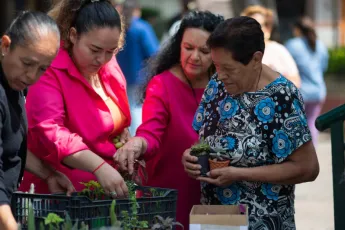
column 73, row 36
column 5, row 45
column 258, row 57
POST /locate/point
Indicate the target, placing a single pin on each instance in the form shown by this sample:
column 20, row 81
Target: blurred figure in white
column 276, row 56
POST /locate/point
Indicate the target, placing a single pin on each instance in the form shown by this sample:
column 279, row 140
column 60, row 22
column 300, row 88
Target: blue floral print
column 198, row 118
column 229, row 195
column 228, row 108
column 229, row 143
column 211, row 91
column 270, row 191
column 299, row 111
column 281, row 144
column 265, row 110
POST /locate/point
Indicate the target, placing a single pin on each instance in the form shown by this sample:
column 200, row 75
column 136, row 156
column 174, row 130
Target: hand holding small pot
column 221, row 177
column 190, row 163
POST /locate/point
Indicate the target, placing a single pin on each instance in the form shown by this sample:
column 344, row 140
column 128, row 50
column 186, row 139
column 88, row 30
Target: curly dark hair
column 169, row 54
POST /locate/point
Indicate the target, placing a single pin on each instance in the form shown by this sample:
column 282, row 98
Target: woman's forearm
column 35, row 166
column 284, row 173
column 84, row 160
column 7, row 221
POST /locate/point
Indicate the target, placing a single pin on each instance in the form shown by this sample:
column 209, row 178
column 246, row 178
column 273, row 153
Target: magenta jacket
column 65, row 116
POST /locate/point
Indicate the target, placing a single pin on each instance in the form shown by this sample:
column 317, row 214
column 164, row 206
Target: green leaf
column 53, row 218
column 84, row 226
column 113, row 217
column 143, row 224
column 41, row 226
column 68, row 222
column 31, row 218
column 200, row 148
column 75, row 226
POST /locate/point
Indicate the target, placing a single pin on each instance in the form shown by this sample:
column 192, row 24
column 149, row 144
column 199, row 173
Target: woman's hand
column 59, row 183
column 111, row 181
column 190, row 164
column 221, row 177
column 125, row 136
column 127, row 154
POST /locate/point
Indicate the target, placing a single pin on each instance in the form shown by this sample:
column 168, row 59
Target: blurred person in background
column 174, row 23
column 176, row 79
column 311, row 57
column 140, row 44
column 276, row 56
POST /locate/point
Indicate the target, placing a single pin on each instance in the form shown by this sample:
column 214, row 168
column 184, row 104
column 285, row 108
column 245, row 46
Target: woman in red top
column 177, row 78
column 80, row 103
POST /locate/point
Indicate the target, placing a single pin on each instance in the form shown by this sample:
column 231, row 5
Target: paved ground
column 314, row 201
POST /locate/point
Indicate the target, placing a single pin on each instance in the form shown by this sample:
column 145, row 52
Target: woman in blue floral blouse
column 256, row 116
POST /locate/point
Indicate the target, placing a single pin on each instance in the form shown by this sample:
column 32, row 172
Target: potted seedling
column 202, row 150
column 160, row 223
column 218, row 160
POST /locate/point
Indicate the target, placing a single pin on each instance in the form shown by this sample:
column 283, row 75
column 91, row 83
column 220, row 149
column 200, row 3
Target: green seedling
column 200, row 149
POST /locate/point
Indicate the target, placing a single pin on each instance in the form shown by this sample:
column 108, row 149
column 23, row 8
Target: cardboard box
column 220, row 217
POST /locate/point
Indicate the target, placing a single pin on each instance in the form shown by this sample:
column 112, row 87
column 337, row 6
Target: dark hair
column 305, row 25
column 28, row 26
column 242, row 36
column 84, row 15
column 170, row 54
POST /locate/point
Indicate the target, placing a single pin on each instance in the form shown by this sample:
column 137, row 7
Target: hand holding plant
column 120, row 140
column 221, row 177
column 125, row 156
column 196, row 160
column 111, row 181
column 190, row 163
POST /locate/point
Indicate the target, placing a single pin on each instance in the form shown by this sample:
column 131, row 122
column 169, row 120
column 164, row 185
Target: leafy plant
column 135, row 177
column 336, row 61
column 130, row 220
column 164, row 224
column 156, row 193
column 200, row 148
column 68, row 223
column 53, row 221
column 218, row 154
column 93, row 190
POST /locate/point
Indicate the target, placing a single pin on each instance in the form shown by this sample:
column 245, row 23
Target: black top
column 13, row 131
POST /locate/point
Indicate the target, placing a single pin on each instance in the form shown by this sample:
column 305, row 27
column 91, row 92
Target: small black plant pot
column 205, row 166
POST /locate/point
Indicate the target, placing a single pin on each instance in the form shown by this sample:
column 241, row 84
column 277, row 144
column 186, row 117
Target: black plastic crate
column 94, row 213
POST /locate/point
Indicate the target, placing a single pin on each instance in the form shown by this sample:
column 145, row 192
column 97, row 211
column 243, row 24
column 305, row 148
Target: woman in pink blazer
column 80, row 104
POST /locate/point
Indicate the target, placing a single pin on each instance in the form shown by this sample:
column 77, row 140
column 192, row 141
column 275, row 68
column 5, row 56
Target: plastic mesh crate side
column 42, row 206
column 96, row 213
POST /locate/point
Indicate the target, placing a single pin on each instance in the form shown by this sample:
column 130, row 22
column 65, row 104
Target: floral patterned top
column 254, row 129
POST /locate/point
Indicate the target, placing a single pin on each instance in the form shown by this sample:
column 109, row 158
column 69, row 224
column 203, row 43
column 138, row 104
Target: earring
column 3, row 55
